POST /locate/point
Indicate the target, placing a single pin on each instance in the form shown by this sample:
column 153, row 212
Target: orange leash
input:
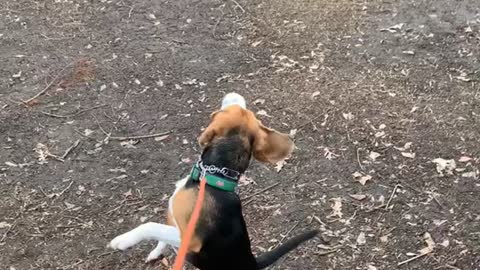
column 192, row 223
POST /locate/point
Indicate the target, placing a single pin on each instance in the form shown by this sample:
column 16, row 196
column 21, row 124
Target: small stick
column 409, row 186
column 54, row 157
column 217, row 23
column 54, row 115
column 288, row 233
column 249, row 202
column 116, row 208
column 239, row 6
column 140, row 136
column 65, row 189
column 358, row 160
column 67, row 152
column 105, row 254
column 391, row 195
column 48, row 85
column 8, row 231
column 326, row 252
column 437, row 201
column 310, row 121
column 88, row 109
column 452, row 267
column 412, row 259
column 319, row 220
column 376, row 208
column 130, row 11
column 261, row 191
column 74, row 114
column 4, row 106
column 100, row 126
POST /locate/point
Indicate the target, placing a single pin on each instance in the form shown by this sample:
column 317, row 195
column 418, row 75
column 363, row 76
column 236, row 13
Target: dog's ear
column 271, row 146
column 209, row 133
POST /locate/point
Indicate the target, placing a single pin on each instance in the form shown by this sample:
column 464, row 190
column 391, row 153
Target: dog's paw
column 124, row 241
column 156, row 253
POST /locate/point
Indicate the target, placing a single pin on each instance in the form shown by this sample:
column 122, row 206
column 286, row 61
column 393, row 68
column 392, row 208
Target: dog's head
column 236, row 134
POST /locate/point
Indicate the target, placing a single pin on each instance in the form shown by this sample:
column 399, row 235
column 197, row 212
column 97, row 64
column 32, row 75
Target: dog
column 220, row 239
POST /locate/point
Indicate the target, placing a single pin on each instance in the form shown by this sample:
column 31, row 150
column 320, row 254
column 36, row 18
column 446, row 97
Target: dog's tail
column 270, row 257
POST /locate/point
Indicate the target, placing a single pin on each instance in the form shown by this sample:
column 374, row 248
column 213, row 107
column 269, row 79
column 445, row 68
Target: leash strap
column 192, row 223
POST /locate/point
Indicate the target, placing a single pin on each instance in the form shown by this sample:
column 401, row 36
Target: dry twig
column 140, row 136
column 412, row 259
column 8, row 231
column 391, row 196
column 48, row 85
column 239, row 6
column 73, row 114
column 67, row 152
column 261, row 191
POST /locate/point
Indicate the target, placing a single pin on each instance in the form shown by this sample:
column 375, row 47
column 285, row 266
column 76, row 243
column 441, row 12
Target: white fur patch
column 178, row 185
column 148, row 231
column 233, row 99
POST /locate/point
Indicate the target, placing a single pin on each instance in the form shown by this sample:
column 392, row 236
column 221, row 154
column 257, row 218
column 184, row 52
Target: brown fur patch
column 269, row 145
column 183, row 204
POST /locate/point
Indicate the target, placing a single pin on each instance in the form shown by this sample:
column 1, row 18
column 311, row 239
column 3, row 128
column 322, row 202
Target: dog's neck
column 229, row 152
column 223, row 162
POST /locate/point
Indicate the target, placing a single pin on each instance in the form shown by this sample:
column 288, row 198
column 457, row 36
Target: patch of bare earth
column 382, row 98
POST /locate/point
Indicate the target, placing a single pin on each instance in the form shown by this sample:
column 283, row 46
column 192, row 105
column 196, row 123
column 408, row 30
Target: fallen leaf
column 17, row 75
column 357, row 174
column 129, row 144
column 445, row 165
column 379, row 134
column 361, row 240
column 4, row 225
column 358, row 197
column 293, row 132
column 362, row 179
column 445, row 243
column 161, row 138
column 465, row 159
column 87, row 132
column 348, row 116
column 316, row 93
column 405, row 147
column 430, row 244
column 260, row 101
column 371, row 267
column 336, row 206
column 279, row 165
column 69, row 205
column 263, row 113
column 408, row 155
column 384, row 239
column 472, row 174
column 128, row 193
column 373, row 155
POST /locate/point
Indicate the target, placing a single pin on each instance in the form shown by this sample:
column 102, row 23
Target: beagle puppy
column 220, row 240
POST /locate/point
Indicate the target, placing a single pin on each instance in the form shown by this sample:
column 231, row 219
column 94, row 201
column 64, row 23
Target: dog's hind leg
column 155, row 254
column 148, row 231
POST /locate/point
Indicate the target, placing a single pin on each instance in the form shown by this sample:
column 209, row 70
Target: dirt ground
column 381, row 96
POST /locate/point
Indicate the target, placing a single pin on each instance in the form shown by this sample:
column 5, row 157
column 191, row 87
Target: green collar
column 213, row 180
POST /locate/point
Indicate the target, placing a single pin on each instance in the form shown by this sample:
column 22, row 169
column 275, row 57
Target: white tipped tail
column 233, row 99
